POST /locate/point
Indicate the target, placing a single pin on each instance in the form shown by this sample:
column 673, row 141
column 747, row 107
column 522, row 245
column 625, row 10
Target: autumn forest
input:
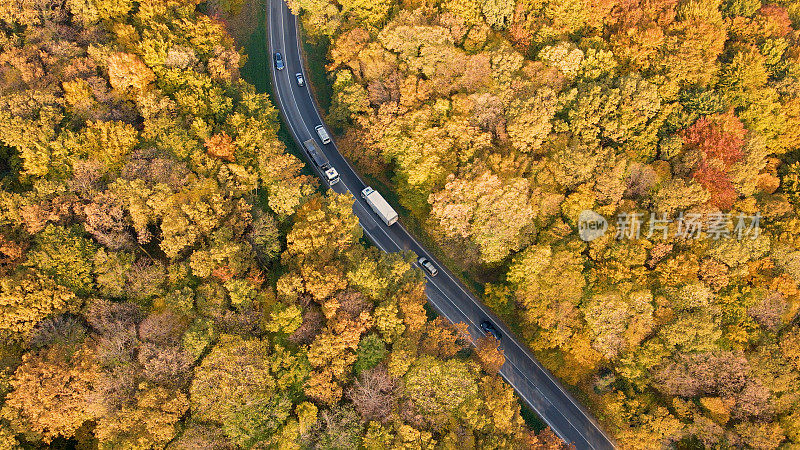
column 172, row 275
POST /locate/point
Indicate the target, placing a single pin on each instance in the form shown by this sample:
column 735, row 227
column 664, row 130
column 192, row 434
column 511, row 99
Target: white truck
column 379, row 205
column 320, row 160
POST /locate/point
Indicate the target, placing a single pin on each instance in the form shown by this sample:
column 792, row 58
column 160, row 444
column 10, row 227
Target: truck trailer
column 320, row 160
column 379, row 205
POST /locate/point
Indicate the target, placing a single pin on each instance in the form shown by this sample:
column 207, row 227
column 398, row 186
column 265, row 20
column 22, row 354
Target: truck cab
column 332, row 175
column 366, row 191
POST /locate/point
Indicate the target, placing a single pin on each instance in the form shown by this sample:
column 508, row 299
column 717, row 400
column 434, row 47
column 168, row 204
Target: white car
column 323, row 134
column 300, row 80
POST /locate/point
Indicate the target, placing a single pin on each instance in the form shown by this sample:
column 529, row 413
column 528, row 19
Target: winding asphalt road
column 532, row 382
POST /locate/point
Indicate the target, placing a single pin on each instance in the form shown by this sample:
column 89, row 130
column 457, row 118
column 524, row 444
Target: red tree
column 720, row 139
column 720, row 136
column 718, row 184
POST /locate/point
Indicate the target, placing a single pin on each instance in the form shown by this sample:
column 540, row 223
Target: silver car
column 426, row 264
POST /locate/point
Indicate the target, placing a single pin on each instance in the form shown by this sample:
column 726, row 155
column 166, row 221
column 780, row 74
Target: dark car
column 279, row 61
column 428, row 265
column 489, row 328
column 300, row 80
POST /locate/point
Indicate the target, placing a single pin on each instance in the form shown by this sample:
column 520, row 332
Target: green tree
column 371, row 351
column 240, row 386
column 66, row 256
column 439, row 388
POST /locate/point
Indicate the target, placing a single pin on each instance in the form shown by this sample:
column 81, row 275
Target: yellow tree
column 549, row 283
column 51, row 393
column 109, row 142
column 368, row 12
column 694, row 42
column 27, row 297
column 489, row 355
column 324, row 228
column 495, row 213
column 128, row 73
column 151, row 422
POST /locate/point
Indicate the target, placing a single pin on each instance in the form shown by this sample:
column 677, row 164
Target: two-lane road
column 534, row 384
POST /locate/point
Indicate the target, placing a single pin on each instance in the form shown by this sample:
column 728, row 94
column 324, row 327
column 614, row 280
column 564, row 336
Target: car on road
column 300, row 80
column 488, row 328
column 426, row 264
column 279, row 61
column 323, row 134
